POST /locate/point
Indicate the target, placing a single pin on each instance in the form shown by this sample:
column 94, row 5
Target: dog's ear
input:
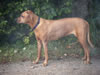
column 28, row 11
column 32, row 17
column 30, row 14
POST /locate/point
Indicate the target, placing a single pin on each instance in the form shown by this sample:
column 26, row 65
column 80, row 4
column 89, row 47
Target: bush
column 14, row 37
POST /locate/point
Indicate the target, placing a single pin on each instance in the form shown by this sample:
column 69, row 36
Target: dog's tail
column 88, row 36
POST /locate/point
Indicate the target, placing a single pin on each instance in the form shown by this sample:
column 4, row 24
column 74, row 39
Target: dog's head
column 26, row 17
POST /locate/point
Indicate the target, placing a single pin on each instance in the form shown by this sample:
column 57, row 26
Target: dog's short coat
column 55, row 29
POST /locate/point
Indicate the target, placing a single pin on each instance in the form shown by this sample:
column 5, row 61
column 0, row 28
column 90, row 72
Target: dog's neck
column 34, row 21
column 35, row 26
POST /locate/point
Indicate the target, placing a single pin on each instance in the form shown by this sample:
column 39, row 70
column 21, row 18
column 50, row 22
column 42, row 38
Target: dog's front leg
column 45, row 46
column 39, row 44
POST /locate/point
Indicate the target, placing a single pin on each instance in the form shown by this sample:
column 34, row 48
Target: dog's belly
column 56, row 31
column 58, row 34
column 55, row 37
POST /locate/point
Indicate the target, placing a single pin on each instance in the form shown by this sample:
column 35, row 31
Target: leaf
column 26, row 40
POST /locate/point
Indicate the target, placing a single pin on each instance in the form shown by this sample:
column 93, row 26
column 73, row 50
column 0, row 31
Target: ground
column 65, row 66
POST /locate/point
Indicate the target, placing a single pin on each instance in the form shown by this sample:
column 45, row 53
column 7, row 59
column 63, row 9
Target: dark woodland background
column 17, row 41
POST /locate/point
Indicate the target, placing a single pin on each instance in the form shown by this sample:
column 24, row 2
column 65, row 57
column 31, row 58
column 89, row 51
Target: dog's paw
column 87, row 62
column 84, row 58
column 45, row 64
column 35, row 62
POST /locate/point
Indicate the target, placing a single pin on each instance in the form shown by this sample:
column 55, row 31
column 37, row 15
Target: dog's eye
column 22, row 16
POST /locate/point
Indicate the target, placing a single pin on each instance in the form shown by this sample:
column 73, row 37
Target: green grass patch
column 20, row 52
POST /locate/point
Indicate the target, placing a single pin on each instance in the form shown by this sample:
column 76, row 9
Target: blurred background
column 17, row 41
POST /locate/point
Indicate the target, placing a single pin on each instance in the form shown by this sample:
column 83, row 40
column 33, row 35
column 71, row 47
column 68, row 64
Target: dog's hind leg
column 83, row 42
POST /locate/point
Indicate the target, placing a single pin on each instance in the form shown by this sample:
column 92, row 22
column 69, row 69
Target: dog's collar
column 36, row 24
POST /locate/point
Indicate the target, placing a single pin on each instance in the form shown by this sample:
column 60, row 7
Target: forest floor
column 65, row 66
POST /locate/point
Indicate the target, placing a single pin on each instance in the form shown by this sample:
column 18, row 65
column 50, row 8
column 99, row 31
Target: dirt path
column 68, row 66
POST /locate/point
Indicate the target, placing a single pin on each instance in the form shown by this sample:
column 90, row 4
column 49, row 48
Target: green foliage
column 16, row 36
column 13, row 53
column 16, row 39
column 48, row 9
column 26, row 40
column 94, row 21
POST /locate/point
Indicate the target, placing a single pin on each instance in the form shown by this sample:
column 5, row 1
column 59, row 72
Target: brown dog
column 46, row 30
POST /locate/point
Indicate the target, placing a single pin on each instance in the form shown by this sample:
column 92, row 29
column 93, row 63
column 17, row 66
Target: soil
column 66, row 66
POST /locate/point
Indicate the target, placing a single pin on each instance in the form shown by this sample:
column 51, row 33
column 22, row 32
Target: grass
column 11, row 53
column 56, row 49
